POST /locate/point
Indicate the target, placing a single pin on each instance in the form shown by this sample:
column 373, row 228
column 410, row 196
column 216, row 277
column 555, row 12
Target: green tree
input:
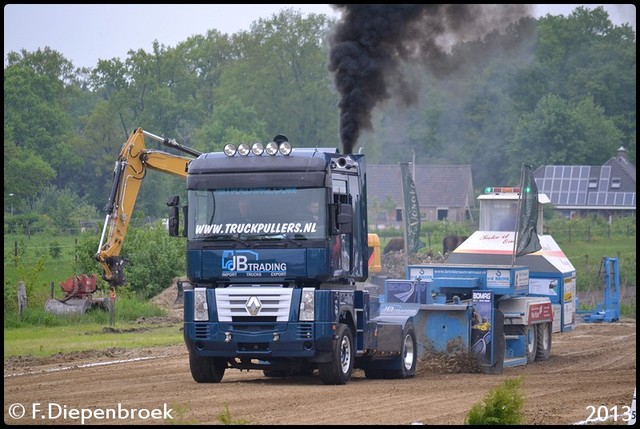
column 25, row 174
column 584, row 55
column 36, row 90
column 560, row 133
column 232, row 122
column 64, row 207
column 281, row 73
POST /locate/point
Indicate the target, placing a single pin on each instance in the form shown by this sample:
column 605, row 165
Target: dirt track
column 593, row 365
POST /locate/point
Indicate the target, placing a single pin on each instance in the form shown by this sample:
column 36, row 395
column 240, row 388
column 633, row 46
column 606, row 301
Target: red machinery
column 78, row 297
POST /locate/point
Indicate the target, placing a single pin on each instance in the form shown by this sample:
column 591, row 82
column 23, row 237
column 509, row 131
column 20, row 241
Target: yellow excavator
column 130, row 169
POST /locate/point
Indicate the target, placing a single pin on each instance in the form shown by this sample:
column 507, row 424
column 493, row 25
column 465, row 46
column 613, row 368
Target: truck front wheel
column 206, row 369
column 339, row 369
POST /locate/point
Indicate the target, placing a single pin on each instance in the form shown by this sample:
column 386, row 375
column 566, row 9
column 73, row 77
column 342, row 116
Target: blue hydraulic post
column 609, row 311
column 612, row 303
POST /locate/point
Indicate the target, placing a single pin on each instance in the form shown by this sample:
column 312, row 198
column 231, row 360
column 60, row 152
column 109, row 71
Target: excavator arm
column 130, row 169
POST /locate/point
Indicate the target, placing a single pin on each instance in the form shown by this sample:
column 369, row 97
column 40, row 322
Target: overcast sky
column 86, row 33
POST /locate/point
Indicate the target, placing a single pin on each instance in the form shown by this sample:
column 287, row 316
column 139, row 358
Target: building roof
column 610, row 186
column 438, row 186
column 621, row 161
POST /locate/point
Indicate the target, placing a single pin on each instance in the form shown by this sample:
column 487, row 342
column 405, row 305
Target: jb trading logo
column 248, row 262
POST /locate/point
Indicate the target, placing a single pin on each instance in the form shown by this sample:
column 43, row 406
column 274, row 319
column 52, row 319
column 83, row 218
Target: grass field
column 38, row 342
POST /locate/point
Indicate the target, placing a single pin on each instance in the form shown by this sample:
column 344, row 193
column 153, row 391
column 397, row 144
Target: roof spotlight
column 244, row 149
column 257, row 148
column 285, row 148
column 272, row 148
column 229, row 149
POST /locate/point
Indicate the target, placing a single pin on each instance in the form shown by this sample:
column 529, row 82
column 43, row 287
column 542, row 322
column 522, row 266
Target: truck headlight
column 307, row 305
column 200, row 313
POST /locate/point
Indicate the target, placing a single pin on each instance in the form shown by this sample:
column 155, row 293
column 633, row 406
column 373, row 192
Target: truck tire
column 544, row 341
column 531, row 342
column 206, row 369
column 408, row 359
column 409, row 353
column 339, row 369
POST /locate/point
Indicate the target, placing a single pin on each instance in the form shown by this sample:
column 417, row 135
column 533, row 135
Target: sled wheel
column 531, row 342
column 544, row 341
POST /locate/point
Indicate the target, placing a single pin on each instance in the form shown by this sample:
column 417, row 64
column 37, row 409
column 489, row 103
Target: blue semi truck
column 277, row 261
column 276, row 288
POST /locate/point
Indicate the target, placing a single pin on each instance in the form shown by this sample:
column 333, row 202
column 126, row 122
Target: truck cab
column 278, row 240
column 272, row 284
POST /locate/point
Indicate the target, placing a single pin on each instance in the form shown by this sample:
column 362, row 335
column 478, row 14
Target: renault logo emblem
column 253, row 306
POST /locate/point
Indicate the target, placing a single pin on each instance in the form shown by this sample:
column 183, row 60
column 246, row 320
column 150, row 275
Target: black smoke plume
column 371, row 41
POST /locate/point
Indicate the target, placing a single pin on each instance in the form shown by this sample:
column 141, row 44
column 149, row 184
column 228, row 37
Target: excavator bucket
column 71, row 306
column 78, row 297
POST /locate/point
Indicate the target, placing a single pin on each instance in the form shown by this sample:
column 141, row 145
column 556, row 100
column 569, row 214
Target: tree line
column 552, row 90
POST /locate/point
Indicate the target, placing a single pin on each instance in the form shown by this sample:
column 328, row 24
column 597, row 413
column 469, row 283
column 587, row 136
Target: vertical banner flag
column 527, row 240
column 411, row 210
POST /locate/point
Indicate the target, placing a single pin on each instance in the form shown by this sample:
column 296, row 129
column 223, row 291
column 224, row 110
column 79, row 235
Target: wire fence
column 52, row 254
column 590, row 231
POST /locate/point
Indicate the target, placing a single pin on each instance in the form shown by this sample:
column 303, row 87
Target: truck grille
column 253, row 302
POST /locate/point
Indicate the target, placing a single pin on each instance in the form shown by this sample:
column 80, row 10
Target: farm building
column 444, row 192
column 578, row 190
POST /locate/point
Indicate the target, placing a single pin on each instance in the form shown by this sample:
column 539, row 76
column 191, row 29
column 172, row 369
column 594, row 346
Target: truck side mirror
column 342, row 222
column 174, row 215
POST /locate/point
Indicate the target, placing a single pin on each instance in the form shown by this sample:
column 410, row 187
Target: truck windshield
column 257, row 213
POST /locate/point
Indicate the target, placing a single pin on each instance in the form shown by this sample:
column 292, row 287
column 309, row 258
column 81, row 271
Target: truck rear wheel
column 408, row 359
column 544, row 341
column 339, row 369
column 206, row 369
column 409, row 353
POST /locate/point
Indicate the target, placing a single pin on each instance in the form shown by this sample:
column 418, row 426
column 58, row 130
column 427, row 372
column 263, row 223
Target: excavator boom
column 130, row 168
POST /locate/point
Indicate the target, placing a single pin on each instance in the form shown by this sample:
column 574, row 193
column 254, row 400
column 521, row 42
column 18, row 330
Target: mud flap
column 180, row 297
